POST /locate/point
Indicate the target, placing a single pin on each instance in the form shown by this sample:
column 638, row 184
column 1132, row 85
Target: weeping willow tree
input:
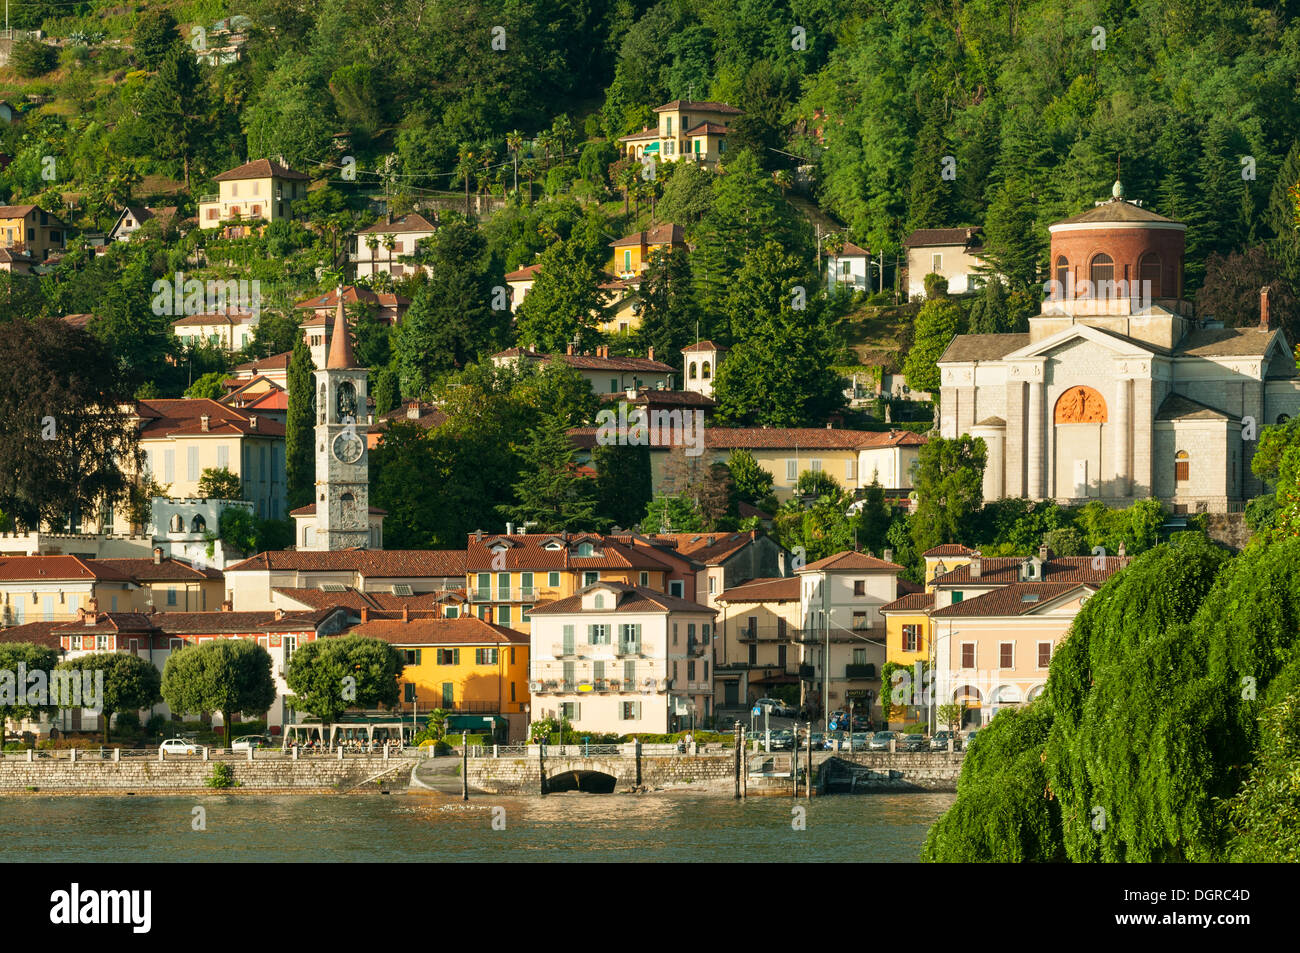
column 1140, row 746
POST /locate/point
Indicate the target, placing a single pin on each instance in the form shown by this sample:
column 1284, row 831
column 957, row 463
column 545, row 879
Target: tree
column 329, row 676
column 31, row 58
column 458, row 315
column 174, row 108
column 299, row 431
column 62, row 399
column 566, row 302
column 1014, row 243
column 551, row 492
column 949, row 489
column 1231, row 290
column 209, row 386
column 672, row 514
column 623, row 483
column 16, row 701
column 1266, row 811
column 130, row 682
column 225, row 676
column 387, row 392
column 932, row 197
column 818, row 483
column 275, row 333
column 751, row 483
column 950, row 715
column 937, row 323
column 220, row 484
column 669, row 317
column 155, row 36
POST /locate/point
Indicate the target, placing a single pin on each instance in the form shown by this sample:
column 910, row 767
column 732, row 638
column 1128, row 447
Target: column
column 1123, row 424
column 1035, row 445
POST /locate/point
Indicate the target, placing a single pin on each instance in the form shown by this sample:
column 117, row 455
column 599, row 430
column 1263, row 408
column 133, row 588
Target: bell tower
column 342, row 493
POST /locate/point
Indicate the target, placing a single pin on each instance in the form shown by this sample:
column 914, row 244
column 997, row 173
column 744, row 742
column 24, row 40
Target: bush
column 223, row 776
column 31, row 58
column 127, row 721
column 156, row 725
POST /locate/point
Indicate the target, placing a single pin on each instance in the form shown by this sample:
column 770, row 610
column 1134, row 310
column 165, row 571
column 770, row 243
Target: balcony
column 860, row 671
column 209, row 199
column 626, row 649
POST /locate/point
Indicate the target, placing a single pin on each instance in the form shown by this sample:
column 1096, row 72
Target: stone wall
column 524, row 775
column 874, row 770
column 150, row 776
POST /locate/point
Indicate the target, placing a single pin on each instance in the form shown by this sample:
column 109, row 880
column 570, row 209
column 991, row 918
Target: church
column 340, row 517
column 1119, row 392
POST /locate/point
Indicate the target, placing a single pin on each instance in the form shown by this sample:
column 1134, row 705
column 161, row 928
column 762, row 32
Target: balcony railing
column 630, row 648
column 860, row 671
column 514, row 594
column 209, row 199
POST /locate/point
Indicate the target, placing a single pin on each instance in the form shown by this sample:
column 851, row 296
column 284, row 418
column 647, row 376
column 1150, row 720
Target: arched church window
column 1149, row 271
column 705, row 371
column 347, row 401
column 599, row 601
column 1062, row 273
column 178, row 524
column 693, row 371
column 347, row 498
column 1103, row 269
column 198, row 524
column 1182, row 467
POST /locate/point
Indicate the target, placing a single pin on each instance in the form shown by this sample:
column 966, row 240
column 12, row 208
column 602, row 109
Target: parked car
column 940, row 741
column 250, row 741
column 912, row 743
column 881, row 739
column 179, row 746
column 861, row 723
column 970, row 738
column 782, row 741
column 859, row 740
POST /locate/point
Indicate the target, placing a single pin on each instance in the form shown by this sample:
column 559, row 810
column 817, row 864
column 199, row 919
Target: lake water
column 419, row 827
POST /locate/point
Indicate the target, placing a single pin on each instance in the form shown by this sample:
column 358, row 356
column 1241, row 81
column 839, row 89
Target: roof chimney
column 92, row 606
column 487, row 614
column 888, row 554
column 649, row 354
column 365, row 614
column 157, row 555
column 1042, row 552
column 406, row 613
column 569, row 349
column 227, row 606
column 1265, row 309
column 279, row 614
column 413, row 410
column 203, row 422
column 252, row 421
column 976, row 564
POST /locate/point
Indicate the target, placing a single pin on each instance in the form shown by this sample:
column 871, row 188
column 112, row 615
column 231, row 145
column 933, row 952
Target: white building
column 381, row 247
column 850, row 268
column 622, row 659
column 953, row 253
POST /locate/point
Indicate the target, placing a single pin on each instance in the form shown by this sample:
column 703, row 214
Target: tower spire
column 340, row 353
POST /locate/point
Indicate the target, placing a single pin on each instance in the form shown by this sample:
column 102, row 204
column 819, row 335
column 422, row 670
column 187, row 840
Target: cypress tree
column 299, row 430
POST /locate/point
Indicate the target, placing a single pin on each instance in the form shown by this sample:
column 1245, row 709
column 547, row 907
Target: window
column 169, row 465
column 693, row 371
column 411, row 656
column 859, row 656
column 485, row 656
column 816, row 466
column 101, row 643
column 453, row 612
column 713, row 585
column 483, row 612
column 645, row 579
column 968, row 655
column 859, row 620
column 171, row 595
column 668, row 125
column 911, row 638
column 631, row 711
column 598, row 634
column 504, row 615
column 192, row 463
column 675, row 588
column 598, row 671
column 408, row 692
column 448, row 695
column 629, row 673
column 706, row 371
column 956, row 597
column 553, row 580
column 570, row 710
column 1103, row 270
column 223, row 457
column 1006, row 655
column 599, row 601
column 704, row 633
column 1182, row 467
column 503, row 585
column 792, row 470
column 627, row 259
column 590, row 578
column 484, row 585
column 1149, row 271
column 1062, row 273
column 674, row 633
column 753, row 654
column 523, row 615
column 613, row 385
column 690, row 670
column 849, row 468
column 526, row 585
column 1044, row 654
column 859, row 587
column 448, row 656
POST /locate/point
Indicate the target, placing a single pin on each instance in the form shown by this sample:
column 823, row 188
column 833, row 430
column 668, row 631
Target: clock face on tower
column 348, row 447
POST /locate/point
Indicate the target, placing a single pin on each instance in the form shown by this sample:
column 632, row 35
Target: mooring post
column 744, row 763
column 636, row 748
column 464, row 765
column 735, row 759
column 809, row 781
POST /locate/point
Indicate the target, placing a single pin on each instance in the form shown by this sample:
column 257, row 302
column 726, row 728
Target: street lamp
column 934, row 667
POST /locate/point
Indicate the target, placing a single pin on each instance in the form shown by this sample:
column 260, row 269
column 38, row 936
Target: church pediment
column 1117, row 344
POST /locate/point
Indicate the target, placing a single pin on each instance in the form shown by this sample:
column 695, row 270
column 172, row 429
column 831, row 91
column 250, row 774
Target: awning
column 474, row 723
column 653, row 147
column 775, row 680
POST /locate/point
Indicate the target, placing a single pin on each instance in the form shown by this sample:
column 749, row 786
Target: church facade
column 1117, row 392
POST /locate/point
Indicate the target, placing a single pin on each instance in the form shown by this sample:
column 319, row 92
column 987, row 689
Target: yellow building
column 182, row 438
column 506, row 575
column 466, row 666
column 632, row 253
column 257, row 191
column 685, row 130
column 757, row 646
column 31, row 229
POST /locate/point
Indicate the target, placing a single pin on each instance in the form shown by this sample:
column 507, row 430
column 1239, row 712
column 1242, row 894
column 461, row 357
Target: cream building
column 381, row 247
column 686, row 131
column 259, row 191
column 952, row 253
column 1117, row 393
column 757, row 647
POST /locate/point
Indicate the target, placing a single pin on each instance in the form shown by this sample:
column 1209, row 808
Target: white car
column 250, row 741
column 179, row 746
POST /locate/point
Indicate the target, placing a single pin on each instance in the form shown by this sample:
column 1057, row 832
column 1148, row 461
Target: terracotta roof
column 650, row 397
column 183, row 417
column 982, row 347
column 701, row 104
column 590, row 362
column 800, row 438
column 12, row 255
column 310, row 510
column 658, row 235
column 260, row 169
column 21, row 568
column 352, row 598
column 851, row 250
column 167, row 570
column 351, row 295
column 948, row 549
column 108, row 622
column 704, row 346
column 626, row 599
column 1005, row 570
column 645, row 133
column 712, row 549
column 411, row 222
column 1178, row 407
column 529, row 552
column 1116, row 210
column 524, row 273
column 707, row 129
column 77, row 320
column 1017, row 599
column 274, row 362
column 16, row 211
column 467, row 630
column 851, row 562
column 383, row 563
column 341, row 354
column 428, row 416
column 912, row 602
column 204, row 320
column 37, row 633
column 219, row 621
column 763, row 590
column 924, row 237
